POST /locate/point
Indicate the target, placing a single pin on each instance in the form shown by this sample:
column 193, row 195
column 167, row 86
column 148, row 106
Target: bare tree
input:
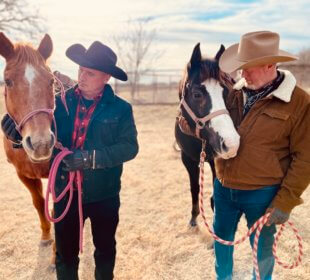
column 304, row 56
column 16, row 16
column 134, row 51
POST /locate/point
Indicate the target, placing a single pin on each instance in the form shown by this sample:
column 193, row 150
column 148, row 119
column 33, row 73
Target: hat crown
column 99, row 57
column 258, row 44
column 101, row 53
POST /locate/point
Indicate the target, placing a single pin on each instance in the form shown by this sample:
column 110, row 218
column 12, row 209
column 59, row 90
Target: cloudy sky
column 179, row 24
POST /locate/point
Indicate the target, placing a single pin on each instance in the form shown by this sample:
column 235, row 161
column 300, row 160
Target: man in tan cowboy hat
column 272, row 166
column 99, row 129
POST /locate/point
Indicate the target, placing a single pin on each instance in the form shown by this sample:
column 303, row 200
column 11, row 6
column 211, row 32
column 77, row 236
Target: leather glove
column 184, row 127
column 277, row 216
column 8, row 127
column 78, row 160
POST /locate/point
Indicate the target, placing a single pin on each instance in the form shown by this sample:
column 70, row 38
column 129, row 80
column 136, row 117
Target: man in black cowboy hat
column 99, row 128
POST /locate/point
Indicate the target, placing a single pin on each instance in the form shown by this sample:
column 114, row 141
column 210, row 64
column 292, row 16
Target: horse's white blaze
column 222, row 124
column 30, row 74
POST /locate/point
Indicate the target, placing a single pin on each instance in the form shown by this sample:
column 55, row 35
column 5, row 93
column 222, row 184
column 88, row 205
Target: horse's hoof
column 51, row 268
column 193, row 223
column 45, row 243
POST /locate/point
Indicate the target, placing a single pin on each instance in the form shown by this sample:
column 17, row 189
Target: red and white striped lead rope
column 258, row 225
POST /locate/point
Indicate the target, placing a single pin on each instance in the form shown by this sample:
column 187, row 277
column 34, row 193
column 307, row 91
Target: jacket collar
column 285, row 90
column 108, row 95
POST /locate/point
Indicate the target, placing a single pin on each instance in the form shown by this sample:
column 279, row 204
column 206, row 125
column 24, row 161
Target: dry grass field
column 154, row 240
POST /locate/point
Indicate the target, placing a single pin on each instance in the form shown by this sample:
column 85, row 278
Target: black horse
column 202, row 92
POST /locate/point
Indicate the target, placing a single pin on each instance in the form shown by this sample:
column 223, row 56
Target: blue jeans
column 230, row 204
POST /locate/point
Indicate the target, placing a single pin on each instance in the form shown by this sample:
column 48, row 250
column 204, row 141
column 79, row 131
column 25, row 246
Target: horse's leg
column 193, row 172
column 35, row 188
column 53, row 258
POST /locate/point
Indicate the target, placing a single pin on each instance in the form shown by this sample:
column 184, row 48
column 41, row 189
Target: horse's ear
column 6, row 46
column 196, row 57
column 219, row 53
column 46, row 47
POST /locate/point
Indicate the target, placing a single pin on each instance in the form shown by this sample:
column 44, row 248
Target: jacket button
column 62, row 177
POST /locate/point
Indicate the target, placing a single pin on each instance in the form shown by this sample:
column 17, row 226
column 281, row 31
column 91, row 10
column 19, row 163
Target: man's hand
column 277, row 216
column 9, row 129
column 78, row 160
column 183, row 124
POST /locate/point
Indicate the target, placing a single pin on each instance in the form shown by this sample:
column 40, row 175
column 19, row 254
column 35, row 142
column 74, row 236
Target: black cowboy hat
column 98, row 56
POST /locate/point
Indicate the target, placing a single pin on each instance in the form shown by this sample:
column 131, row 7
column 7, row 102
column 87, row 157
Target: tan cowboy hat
column 255, row 48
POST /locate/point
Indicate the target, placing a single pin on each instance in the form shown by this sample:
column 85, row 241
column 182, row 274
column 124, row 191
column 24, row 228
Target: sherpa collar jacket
column 274, row 144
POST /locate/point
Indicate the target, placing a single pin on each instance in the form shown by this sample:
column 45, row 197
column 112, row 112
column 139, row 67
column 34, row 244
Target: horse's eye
column 202, row 87
column 8, row 82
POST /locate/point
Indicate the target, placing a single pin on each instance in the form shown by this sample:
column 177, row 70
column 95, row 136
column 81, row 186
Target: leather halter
column 200, row 122
column 48, row 111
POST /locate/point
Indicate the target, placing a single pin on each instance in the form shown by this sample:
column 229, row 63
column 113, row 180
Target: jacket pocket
column 103, row 132
column 257, row 166
column 277, row 114
column 270, row 125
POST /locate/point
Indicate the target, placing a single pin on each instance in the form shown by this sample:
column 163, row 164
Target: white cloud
column 180, row 24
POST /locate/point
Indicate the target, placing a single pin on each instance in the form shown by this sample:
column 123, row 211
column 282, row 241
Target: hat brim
column 229, row 60
column 77, row 53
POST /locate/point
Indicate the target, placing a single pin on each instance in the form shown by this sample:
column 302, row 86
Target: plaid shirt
column 82, row 119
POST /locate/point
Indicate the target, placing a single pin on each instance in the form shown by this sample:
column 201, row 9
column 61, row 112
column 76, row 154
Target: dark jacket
column 111, row 132
column 274, row 144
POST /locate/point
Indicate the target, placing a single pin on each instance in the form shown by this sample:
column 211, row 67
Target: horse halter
column 48, row 111
column 200, row 122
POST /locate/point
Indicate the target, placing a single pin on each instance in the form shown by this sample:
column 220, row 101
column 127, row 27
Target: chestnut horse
column 29, row 100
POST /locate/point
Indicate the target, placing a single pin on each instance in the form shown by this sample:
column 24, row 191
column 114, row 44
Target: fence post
column 154, row 86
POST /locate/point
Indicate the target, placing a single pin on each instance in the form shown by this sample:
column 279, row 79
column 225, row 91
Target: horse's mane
column 25, row 53
column 210, row 68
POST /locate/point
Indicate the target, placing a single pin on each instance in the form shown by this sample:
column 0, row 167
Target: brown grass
column 154, row 241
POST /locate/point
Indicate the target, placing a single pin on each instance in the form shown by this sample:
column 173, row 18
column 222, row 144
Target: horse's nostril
column 52, row 142
column 28, row 143
column 224, row 147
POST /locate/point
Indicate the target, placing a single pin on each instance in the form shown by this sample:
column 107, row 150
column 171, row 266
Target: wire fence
column 161, row 86
column 154, row 87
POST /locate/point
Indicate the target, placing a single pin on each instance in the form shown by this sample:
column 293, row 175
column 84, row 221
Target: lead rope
column 69, row 188
column 259, row 224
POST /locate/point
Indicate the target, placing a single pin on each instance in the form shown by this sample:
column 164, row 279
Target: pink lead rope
column 259, row 224
column 68, row 188
column 72, row 175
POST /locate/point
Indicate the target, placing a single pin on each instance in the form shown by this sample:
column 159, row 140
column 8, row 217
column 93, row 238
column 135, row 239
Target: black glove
column 277, row 216
column 9, row 129
column 78, row 160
